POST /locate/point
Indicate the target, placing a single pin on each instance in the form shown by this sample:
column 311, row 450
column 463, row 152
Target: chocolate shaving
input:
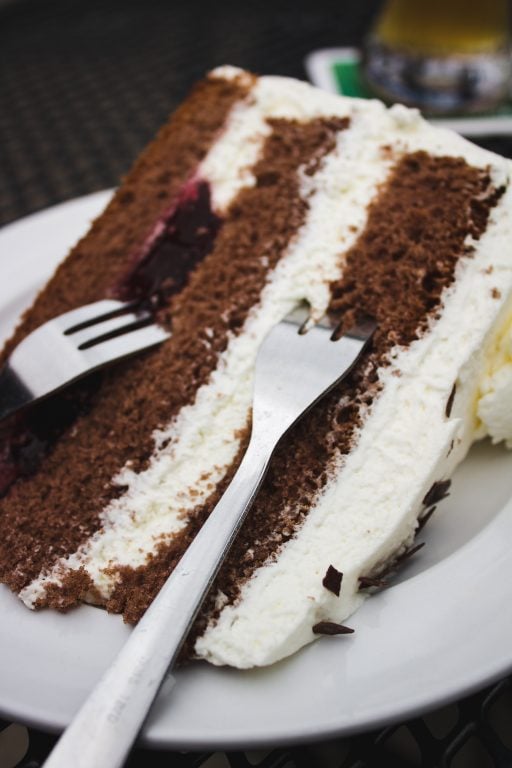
column 408, row 553
column 437, row 492
column 423, row 520
column 365, row 582
column 390, row 568
column 449, row 402
column 331, row 628
column 332, row 580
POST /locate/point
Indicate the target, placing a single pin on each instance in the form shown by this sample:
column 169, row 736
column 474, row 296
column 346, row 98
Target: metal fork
column 70, row 346
column 297, row 364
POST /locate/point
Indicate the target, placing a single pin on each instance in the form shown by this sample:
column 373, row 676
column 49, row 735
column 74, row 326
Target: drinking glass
column 444, row 56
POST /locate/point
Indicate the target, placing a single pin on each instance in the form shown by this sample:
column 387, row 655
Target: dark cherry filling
column 28, row 436
column 178, row 242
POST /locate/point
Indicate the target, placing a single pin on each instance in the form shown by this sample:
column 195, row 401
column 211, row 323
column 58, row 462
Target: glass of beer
column 444, row 56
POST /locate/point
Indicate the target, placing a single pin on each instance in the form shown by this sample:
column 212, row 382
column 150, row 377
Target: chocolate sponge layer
column 98, row 260
column 50, row 508
column 48, row 514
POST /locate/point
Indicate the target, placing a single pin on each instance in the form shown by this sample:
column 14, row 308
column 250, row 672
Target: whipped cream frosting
column 368, row 510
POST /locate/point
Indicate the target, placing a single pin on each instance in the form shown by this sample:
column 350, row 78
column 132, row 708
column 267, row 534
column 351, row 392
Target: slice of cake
column 259, row 193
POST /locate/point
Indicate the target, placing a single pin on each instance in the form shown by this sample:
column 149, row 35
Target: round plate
column 442, row 630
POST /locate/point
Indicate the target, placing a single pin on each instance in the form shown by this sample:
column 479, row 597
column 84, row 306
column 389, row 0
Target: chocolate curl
column 331, row 628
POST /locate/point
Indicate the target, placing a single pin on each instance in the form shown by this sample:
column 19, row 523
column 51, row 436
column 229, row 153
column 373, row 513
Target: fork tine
column 127, row 344
column 89, row 314
column 49, row 358
column 299, row 316
column 127, row 329
column 363, row 330
column 92, row 334
column 360, row 331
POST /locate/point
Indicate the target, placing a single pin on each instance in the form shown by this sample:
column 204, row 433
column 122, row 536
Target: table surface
column 84, row 84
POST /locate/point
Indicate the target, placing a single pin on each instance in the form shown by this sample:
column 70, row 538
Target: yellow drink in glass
column 442, row 55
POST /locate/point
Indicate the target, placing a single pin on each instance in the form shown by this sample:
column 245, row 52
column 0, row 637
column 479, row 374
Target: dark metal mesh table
column 474, row 733
column 84, row 84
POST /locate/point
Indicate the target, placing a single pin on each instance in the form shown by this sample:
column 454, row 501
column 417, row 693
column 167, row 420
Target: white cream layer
column 368, row 511
column 495, row 395
column 201, row 443
column 285, row 598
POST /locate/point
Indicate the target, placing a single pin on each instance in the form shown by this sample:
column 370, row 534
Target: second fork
column 295, row 366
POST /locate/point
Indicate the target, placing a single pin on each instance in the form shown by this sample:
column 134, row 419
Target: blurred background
column 84, row 84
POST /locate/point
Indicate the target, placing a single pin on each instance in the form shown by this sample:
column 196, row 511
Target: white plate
column 442, row 631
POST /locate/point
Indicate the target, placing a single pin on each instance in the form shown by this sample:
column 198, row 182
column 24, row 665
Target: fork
column 297, row 363
column 72, row 345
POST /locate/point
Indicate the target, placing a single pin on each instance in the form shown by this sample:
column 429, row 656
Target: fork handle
column 107, row 724
column 13, row 392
